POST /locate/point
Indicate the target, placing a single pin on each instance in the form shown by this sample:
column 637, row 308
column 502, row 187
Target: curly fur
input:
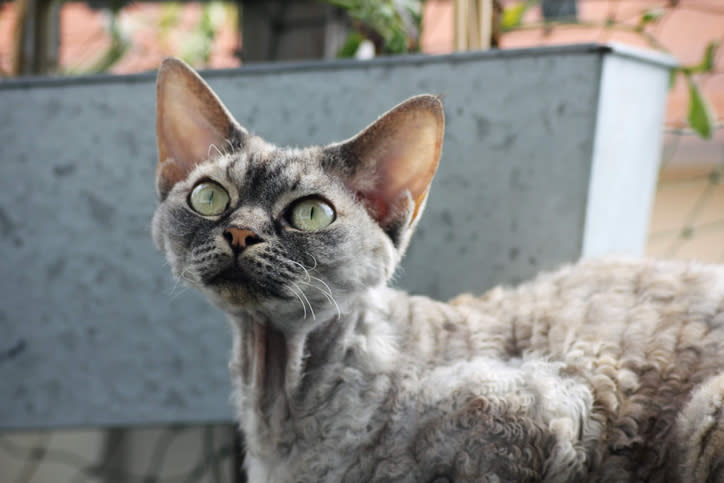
column 608, row 370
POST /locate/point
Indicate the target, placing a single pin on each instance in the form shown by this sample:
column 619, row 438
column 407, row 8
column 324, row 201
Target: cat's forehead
column 265, row 172
column 286, row 167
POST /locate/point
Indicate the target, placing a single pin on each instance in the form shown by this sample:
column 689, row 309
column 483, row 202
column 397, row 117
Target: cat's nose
column 240, row 238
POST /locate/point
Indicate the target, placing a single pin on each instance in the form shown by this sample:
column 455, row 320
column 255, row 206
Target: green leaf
column 395, row 21
column 673, row 74
column 354, row 39
column 386, row 11
column 396, row 43
column 170, row 15
column 651, row 15
column 701, row 115
column 512, row 15
column 217, row 14
column 706, row 65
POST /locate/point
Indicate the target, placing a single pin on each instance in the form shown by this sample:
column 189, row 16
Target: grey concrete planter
column 550, row 154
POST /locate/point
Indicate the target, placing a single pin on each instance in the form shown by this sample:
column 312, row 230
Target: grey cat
column 603, row 371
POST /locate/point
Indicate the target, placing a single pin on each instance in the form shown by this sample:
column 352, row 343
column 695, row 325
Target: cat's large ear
column 190, row 119
column 391, row 163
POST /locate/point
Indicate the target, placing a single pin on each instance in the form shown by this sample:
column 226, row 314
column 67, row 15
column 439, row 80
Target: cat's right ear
column 190, row 122
column 391, row 163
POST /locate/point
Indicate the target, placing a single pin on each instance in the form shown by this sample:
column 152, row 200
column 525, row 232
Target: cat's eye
column 311, row 214
column 209, row 199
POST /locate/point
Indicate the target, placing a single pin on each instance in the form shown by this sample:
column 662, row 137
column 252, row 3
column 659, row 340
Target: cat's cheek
column 158, row 231
column 381, row 260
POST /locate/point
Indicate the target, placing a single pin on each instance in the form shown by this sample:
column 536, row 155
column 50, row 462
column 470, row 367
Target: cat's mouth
column 230, row 275
column 239, row 287
column 244, row 278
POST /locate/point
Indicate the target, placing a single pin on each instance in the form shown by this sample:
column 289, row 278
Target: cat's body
column 586, row 373
column 603, row 371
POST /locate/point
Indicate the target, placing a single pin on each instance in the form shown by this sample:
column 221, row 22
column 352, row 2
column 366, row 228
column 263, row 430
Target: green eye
column 209, row 199
column 311, row 214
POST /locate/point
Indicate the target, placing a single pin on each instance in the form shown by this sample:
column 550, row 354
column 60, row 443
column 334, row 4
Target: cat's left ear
column 391, row 163
column 190, row 122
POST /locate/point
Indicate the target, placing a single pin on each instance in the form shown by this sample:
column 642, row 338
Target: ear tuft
column 190, row 119
column 395, row 158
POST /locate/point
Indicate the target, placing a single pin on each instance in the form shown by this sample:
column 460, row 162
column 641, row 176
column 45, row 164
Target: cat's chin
column 231, row 297
column 231, row 290
column 237, row 297
column 286, row 314
column 234, row 287
column 229, row 277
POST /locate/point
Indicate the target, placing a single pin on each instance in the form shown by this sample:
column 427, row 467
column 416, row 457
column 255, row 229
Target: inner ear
column 392, row 162
column 191, row 123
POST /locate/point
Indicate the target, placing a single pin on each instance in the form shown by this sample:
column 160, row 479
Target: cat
column 606, row 370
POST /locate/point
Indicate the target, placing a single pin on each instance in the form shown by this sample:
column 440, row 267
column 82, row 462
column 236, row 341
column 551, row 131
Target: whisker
column 331, row 295
column 212, row 145
column 323, row 283
column 306, row 272
column 314, row 317
column 300, row 299
column 329, row 298
column 184, row 277
column 327, row 294
column 172, row 290
column 177, row 283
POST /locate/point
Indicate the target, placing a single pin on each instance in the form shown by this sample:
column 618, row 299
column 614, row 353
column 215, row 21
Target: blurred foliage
column 195, row 46
column 393, row 26
column 119, row 45
column 701, row 116
column 351, row 45
column 512, row 15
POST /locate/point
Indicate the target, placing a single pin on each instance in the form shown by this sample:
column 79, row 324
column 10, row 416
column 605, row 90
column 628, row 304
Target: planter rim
column 650, row 56
column 642, row 55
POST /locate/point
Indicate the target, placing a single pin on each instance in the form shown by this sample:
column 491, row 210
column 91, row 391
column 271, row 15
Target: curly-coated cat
column 607, row 370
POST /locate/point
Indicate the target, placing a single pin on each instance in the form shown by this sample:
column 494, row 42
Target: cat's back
column 624, row 307
column 647, row 338
column 632, row 314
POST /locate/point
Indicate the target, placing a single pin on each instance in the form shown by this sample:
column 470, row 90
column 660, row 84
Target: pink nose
column 240, row 238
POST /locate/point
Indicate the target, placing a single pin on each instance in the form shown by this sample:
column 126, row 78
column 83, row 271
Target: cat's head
column 280, row 232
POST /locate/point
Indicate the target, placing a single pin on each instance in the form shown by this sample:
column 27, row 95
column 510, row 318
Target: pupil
column 211, row 197
column 311, row 212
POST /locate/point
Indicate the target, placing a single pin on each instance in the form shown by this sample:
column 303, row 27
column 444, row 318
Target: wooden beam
column 461, row 24
column 473, row 24
column 36, row 38
column 485, row 10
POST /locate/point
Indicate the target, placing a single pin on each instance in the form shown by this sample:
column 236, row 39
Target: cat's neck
column 284, row 379
column 274, row 358
column 278, row 375
column 374, row 332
